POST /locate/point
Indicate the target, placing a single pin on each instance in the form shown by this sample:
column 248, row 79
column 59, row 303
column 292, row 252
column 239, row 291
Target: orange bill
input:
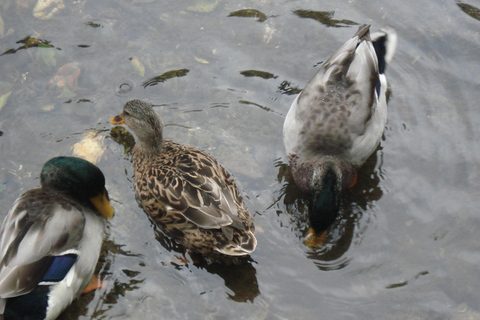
column 315, row 240
column 117, row 119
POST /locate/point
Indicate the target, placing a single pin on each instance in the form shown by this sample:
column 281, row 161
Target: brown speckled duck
column 337, row 121
column 186, row 191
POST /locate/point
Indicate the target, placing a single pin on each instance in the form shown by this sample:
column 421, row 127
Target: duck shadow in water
column 240, row 278
column 351, row 221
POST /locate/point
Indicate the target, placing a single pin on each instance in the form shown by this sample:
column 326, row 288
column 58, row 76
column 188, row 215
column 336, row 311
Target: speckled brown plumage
column 186, row 191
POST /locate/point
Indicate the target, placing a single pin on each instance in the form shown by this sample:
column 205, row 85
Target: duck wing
column 38, row 242
column 341, row 110
column 194, row 184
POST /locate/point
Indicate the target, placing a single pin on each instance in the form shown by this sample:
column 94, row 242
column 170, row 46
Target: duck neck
column 323, row 209
column 150, row 142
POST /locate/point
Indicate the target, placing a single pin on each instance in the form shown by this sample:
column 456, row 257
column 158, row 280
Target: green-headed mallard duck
column 186, row 191
column 51, row 239
column 337, row 121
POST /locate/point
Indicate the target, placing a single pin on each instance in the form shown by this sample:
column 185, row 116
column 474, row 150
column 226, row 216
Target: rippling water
column 406, row 244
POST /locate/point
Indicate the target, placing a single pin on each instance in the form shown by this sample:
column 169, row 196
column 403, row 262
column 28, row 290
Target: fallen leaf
column 3, row 99
column 138, row 66
column 48, row 56
column 90, row 148
column 201, row 60
column 2, row 26
column 203, row 5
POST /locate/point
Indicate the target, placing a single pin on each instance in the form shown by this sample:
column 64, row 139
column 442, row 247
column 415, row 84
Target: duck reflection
column 240, row 278
column 347, row 226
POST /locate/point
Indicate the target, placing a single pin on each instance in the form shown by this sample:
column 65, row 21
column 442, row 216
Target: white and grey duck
column 337, row 122
column 186, row 191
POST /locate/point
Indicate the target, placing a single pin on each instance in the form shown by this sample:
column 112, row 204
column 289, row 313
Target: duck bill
column 117, row 119
column 102, row 204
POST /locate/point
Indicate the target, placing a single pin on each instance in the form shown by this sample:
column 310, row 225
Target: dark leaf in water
column 325, row 18
column 84, row 101
column 257, row 105
column 256, row 73
column 397, row 285
column 93, row 24
column 472, row 11
column 249, row 13
column 286, row 88
column 165, row 76
column 29, row 42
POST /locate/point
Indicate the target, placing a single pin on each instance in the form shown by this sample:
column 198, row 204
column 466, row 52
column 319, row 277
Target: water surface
column 406, row 244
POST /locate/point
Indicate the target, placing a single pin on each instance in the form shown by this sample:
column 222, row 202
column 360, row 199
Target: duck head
column 324, row 179
column 78, row 180
column 145, row 123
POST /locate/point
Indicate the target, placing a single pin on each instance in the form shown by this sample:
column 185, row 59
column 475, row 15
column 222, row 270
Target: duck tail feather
column 385, row 44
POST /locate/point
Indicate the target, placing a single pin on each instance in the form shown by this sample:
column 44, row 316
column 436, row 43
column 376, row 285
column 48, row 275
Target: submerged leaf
column 67, row 76
column 257, row 73
column 138, row 66
column 45, row 9
column 324, row 17
column 3, row 99
column 2, row 26
column 48, row 107
column 249, row 13
column 203, row 6
column 201, row 60
column 67, row 93
column 48, row 56
column 90, row 148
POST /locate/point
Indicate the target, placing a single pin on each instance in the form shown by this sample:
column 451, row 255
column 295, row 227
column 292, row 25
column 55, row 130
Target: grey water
column 223, row 75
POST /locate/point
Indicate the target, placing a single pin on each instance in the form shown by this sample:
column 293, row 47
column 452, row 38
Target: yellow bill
column 102, row 204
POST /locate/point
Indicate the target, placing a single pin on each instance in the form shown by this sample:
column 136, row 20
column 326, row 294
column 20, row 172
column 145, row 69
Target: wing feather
column 197, row 187
column 37, row 228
